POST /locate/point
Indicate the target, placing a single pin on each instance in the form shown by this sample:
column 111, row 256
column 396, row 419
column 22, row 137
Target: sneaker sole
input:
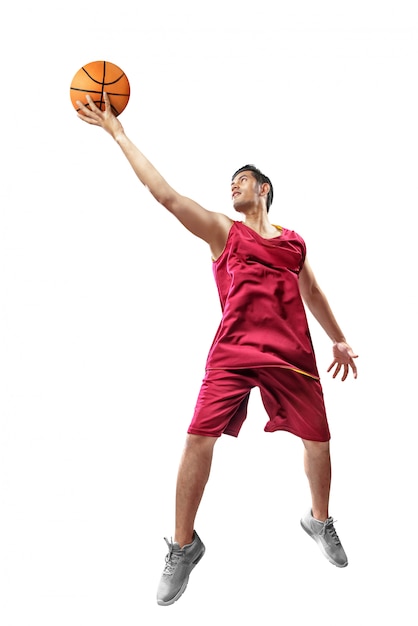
column 184, row 585
column 321, row 547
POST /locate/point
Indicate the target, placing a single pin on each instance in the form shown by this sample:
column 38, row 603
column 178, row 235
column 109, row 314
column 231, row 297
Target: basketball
column 95, row 78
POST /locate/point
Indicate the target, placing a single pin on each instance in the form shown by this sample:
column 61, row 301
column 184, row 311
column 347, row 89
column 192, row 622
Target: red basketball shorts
column 293, row 402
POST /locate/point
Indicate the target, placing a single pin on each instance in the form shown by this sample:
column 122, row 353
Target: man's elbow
column 167, row 199
column 311, row 294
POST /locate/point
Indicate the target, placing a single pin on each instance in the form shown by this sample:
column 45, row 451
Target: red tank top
column 263, row 321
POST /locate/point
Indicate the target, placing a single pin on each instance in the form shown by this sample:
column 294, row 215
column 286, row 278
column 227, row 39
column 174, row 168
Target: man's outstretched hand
column 93, row 115
column 343, row 358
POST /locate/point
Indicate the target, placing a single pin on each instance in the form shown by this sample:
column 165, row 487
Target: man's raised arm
column 210, row 226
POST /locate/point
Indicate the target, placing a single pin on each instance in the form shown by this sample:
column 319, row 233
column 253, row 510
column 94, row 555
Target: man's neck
column 259, row 222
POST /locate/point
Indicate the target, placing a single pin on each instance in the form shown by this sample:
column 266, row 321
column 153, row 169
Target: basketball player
column 264, row 279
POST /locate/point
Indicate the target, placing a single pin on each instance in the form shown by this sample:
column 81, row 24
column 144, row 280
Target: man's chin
column 237, row 207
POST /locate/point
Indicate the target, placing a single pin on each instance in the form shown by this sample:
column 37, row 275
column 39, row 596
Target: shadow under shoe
column 179, row 563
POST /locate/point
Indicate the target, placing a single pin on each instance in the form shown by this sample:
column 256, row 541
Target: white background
column 108, row 308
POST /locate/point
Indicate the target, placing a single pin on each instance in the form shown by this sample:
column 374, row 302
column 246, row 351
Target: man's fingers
column 338, row 365
column 88, row 112
column 337, row 370
column 331, row 366
column 89, row 108
column 82, row 105
column 351, row 353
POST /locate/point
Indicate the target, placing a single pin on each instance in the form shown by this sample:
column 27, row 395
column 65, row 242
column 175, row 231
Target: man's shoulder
column 290, row 232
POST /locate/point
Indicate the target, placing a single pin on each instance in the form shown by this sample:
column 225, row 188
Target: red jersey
column 264, row 322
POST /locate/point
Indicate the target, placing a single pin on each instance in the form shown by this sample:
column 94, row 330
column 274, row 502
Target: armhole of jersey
column 226, row 243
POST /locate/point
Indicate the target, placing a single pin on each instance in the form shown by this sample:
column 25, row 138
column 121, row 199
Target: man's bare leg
column 318, row 470
column 318, row 524
column 192, row 477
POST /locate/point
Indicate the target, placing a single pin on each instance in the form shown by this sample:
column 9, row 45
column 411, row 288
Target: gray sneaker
column 179, row 562
column 326, row 537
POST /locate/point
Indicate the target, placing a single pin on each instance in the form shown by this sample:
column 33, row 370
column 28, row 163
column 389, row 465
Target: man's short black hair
column 260, row 178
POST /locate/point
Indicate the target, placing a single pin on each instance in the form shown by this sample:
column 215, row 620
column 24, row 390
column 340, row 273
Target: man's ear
column 264, row 189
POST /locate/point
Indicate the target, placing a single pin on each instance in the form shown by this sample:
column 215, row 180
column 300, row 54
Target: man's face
column 245, row 191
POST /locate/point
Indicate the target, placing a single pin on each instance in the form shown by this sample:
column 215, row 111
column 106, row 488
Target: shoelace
column 171, row 559
column 329, row 527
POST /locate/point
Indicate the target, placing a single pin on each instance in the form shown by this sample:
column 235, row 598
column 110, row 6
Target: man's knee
column 316, row 448
column 199, row 442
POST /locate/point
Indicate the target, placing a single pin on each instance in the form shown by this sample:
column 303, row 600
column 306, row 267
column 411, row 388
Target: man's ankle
column 320, row 516
column 183, row 539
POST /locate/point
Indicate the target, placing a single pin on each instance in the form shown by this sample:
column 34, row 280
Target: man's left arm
column 318, row 305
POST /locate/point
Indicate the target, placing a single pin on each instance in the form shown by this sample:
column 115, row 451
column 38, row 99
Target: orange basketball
column 97, row 77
